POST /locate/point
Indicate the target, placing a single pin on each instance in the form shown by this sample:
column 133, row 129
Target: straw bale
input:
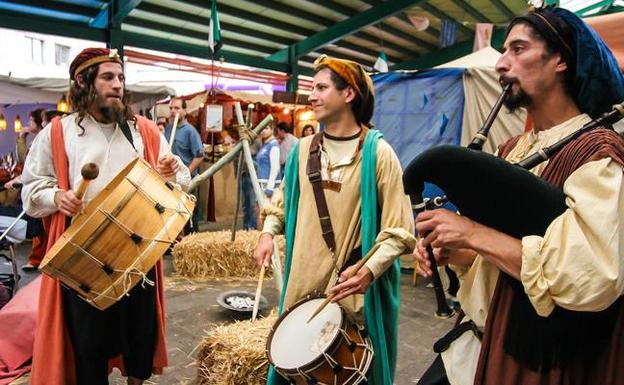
column 210, row 255
column 234, row 354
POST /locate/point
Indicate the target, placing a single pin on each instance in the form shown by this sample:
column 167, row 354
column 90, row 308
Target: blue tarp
column 419, row 110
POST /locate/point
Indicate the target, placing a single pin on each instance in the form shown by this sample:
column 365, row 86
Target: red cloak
column 53, row 358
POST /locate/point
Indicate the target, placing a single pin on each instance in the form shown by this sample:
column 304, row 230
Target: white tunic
column 97, row 143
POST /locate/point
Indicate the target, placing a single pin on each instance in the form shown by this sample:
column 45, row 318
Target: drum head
column 297, row 343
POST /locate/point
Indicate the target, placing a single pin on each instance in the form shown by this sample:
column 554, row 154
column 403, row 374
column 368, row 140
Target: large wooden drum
column 328, row 350
column 120, row 236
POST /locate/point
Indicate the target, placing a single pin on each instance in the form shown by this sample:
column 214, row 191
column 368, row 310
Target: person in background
column 188, row 146
column 308, row 130
column 283, row 134
column 269, row 171
column 161, row 123
column 35, row 225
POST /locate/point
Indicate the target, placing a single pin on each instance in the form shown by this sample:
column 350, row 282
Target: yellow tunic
column 313, row 268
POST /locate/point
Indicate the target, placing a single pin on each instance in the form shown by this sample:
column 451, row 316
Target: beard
column 113, row 112
column 515, row 100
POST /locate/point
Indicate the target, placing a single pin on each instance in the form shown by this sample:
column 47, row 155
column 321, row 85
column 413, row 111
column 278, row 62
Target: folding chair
column 13, row 232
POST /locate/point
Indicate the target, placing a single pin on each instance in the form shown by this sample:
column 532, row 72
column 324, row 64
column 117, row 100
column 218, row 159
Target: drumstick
column 258, row 293
column 357, row 268
column 173, row 131
column 89, row 172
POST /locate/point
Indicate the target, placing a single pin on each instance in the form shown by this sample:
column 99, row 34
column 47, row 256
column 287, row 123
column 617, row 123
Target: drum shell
column 338, row 350
column 96, row 238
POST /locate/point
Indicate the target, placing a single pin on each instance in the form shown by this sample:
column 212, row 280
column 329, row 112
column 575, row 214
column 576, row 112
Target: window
column 36, row 50
column 61, row 55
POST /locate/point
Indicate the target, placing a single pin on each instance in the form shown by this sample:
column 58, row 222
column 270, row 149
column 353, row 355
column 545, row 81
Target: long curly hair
column 81, row 98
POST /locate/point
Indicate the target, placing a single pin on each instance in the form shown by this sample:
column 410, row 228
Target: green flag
column 214, row 36
column 381, row 64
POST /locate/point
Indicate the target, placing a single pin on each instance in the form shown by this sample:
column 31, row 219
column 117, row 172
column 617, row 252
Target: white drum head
column 297, row 343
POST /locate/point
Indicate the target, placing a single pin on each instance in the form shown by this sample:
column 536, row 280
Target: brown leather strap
column 314, row 175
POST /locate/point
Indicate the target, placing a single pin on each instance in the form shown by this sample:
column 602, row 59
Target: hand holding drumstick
column 69, row 202
column 353, row 280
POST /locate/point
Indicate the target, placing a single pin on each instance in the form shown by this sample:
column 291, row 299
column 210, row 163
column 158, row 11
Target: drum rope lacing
column 127, row 273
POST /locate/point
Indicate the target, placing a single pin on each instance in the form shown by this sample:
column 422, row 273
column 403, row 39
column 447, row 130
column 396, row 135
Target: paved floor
column 191, row 309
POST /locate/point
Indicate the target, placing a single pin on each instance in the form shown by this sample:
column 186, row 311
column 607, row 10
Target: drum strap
column 314, row 175
column 126, row 131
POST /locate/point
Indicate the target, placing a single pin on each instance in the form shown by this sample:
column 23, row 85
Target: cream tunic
column 111, row 151
column 576, row 264
column 312, row 265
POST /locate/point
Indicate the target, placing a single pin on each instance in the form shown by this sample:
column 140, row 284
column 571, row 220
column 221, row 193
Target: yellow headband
column 113, row 56
column 348, row 71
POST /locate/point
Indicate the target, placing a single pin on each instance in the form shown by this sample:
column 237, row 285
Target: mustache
column 504, row 80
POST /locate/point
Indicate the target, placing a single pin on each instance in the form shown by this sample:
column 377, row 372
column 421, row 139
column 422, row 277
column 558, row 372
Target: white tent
column 481, row 89
column 49, row 90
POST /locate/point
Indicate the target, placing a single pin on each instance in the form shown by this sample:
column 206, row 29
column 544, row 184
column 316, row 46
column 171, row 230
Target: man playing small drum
column 74, row 340
column 342, row 194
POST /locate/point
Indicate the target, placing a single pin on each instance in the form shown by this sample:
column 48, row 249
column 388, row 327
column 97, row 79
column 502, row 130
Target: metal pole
column 12, row 225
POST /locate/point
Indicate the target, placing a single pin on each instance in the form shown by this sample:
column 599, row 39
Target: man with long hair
column 75, row 342
column 356, row 176
column 550, row 306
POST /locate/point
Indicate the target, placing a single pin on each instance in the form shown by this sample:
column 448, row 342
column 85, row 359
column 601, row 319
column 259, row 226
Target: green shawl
column 381, row 301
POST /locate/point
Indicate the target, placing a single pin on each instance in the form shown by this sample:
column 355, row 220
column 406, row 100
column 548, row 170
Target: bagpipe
column 507, row 197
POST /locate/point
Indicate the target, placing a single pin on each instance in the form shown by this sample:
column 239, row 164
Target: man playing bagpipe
column 549, row 305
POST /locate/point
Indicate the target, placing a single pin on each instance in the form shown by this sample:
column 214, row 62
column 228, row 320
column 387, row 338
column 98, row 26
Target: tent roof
column 49, row 90
column 273, row 34
column 260, row 33
column 485, row 57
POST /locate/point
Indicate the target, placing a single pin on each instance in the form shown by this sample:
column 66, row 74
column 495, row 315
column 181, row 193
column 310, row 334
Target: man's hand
column 421, row 257
column 11, row 184
column 264, row 249
column 442, row 256
column 351, row 282
column 446, row 229
column 167, row 166
column 452, row 231
column 67, row 203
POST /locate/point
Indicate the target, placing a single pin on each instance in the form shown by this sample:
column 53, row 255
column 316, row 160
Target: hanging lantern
column 17, row 124
column 3, row 123
column 62, row 105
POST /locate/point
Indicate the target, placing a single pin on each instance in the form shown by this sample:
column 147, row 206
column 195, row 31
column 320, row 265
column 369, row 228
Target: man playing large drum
column 74, row 340
column 342, row 194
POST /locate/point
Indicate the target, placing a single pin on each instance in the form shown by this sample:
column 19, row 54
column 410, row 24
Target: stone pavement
column 191, row 308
